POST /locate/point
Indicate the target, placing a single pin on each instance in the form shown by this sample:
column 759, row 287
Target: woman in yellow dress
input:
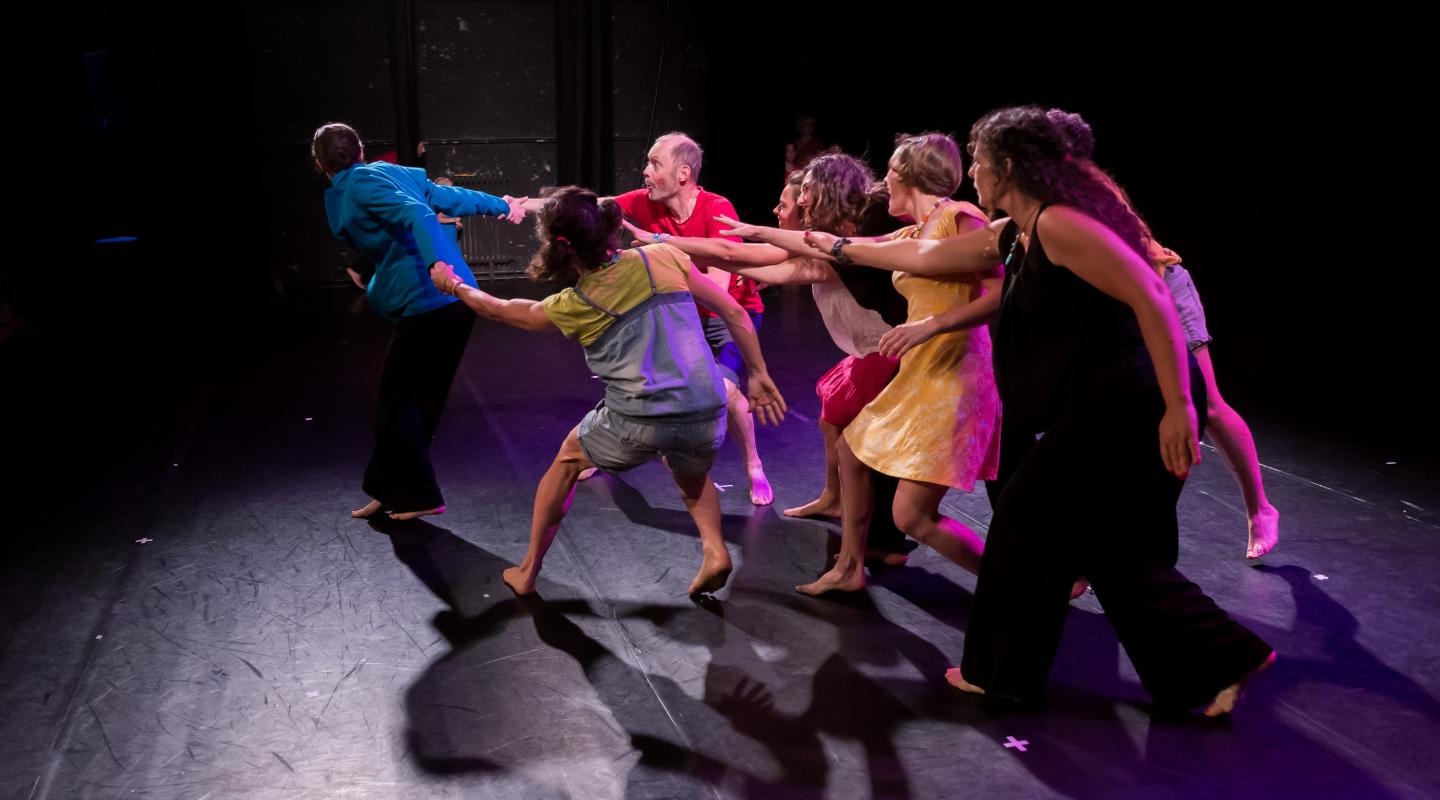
column 936, row 425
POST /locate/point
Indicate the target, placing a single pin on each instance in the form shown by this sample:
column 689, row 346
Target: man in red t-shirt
column 674, row 204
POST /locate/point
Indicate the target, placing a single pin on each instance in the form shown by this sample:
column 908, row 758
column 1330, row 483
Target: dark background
column 1285, row 158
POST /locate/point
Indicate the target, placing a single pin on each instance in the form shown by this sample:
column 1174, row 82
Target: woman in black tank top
column 1091, row 364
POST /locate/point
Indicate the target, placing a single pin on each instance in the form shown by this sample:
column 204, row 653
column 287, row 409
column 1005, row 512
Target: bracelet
column 455, row 288
column 659, row 238
column 836, row 254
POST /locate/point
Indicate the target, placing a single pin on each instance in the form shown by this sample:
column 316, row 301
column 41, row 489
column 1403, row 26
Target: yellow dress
column 938, row 421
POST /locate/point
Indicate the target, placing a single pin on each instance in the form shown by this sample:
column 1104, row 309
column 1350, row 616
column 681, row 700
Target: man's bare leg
column 742, row 427
column 366, row 511
column 552, row 501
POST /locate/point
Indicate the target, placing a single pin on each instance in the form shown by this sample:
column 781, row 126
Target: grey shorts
column 614, row 442
column 1187, row 307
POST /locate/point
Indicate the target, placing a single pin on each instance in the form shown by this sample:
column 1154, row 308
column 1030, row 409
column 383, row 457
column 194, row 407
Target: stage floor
column 189, row 612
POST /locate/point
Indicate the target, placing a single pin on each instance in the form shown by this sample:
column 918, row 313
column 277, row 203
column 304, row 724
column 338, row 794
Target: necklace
column 938, row 204
column 1025, row 228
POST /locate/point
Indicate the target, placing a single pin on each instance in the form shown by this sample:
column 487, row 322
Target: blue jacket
column 387, row 214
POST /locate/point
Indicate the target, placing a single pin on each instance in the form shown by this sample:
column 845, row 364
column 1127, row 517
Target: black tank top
column 1062, row 346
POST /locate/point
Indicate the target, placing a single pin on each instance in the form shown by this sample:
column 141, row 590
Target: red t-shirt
column 654, row 217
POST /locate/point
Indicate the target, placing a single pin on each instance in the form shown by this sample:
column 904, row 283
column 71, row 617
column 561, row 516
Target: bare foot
column 954, row 678
column 587, row 474
column 836, row 580
column 714, row 571
column 369, row 509
column 1079, row 588
column 1228, row 697
column 1264, row 532
column 826, row 505
column 519, row 580
column 404, row 515
column 760, row 492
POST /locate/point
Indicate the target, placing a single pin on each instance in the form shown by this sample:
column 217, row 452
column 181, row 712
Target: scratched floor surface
column 188, row 612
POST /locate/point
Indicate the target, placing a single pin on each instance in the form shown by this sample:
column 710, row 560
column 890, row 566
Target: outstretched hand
column 737, row 228
column 641, row 236
column 822, row 242
column 903, row 338
column 765, row 400
column 444, row 277
column 517, row 208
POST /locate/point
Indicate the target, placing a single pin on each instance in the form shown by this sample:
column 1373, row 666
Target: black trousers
column 419, row 367
column 1092, row 497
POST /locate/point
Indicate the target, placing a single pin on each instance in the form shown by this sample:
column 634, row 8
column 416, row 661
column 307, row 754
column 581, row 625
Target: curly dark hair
column 838, row 185
column 1080, row 141
column 1042, row 166
column 576, row 230
column 1079, row 137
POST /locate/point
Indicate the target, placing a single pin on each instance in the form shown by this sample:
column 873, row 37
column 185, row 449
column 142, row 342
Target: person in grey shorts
column 634, row 313
column 614, row 442
column 1225, row 427
column 1187, row 306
